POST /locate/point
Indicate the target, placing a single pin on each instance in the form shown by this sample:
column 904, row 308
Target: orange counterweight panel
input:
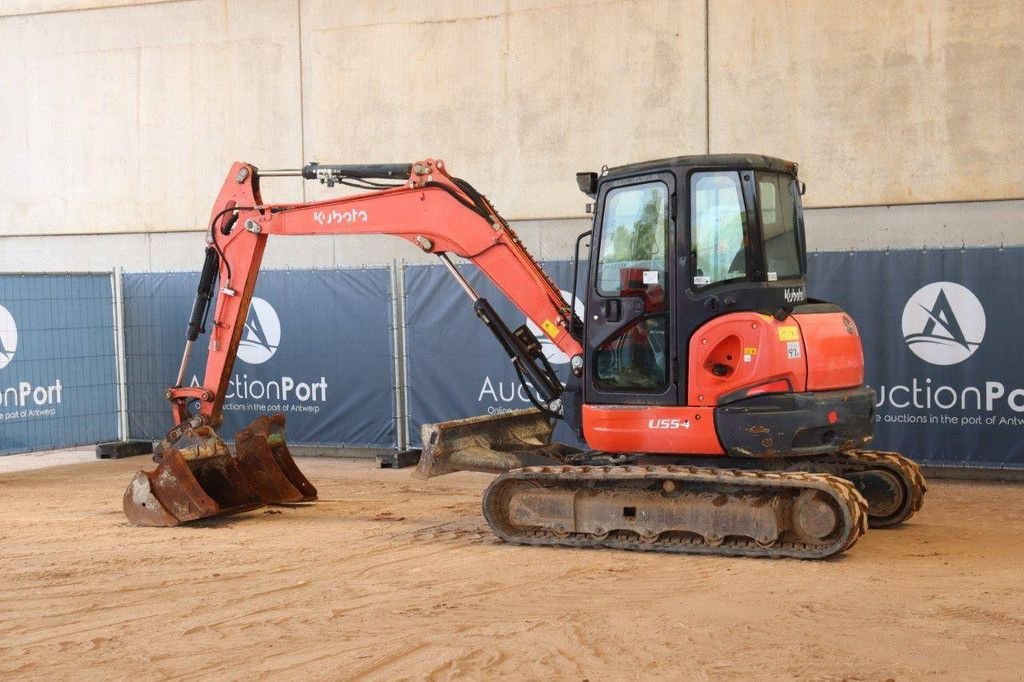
column 647, row 428
column 834, row 351
column 748, row 353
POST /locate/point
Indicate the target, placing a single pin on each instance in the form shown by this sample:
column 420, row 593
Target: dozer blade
column 267, row 465
column 489, row 443
column 197, row 478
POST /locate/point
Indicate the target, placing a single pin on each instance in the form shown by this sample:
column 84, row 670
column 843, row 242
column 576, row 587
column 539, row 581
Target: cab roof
column 708, row 161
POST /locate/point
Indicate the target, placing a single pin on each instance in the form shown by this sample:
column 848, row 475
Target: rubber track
column 907, row 471
column 851, row 502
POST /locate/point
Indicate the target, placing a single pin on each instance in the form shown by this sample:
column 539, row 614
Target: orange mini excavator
column 723, row 411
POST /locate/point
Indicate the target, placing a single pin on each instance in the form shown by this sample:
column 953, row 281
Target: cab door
column 631, row 357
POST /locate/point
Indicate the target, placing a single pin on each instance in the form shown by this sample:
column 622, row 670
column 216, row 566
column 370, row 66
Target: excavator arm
column 437, row 213
column 199, row 477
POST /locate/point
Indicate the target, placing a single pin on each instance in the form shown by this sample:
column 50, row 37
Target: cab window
column 776, row 198
column 636, row 359
column 634, row 234
column 718, row 228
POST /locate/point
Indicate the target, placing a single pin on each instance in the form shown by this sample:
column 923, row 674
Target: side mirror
column 803, row 187
column 587, row 182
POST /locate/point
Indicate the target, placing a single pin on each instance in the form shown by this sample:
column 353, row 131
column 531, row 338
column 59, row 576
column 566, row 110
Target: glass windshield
column 633, row 263
column 718, row 228
column 776, row 197
column 634, row 233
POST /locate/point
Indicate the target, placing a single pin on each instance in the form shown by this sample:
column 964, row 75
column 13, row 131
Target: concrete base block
column 395, row 459
column 127, row 448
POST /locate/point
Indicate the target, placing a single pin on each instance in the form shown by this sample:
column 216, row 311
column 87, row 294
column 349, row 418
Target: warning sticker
column 793, row 349
column 550, row 328
column 789, row 333
column 701, row 280
column 650, row 276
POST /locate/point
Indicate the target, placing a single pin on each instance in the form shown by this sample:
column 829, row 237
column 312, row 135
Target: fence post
column 407, row 418
column 117, row 282
column 397, row 272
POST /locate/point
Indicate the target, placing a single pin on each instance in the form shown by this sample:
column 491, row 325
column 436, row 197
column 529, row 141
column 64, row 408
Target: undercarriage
column 552, row 494
column 690, row 510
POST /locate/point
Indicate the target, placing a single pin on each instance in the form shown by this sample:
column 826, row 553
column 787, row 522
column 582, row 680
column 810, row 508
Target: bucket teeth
column 199, row 478
column 267, row 465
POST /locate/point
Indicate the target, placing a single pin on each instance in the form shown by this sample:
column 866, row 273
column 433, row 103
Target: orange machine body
column 731, row 358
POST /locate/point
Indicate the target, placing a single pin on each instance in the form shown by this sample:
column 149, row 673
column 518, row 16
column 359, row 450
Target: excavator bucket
column 490, row 443
column 199, row 478
column 267, row 465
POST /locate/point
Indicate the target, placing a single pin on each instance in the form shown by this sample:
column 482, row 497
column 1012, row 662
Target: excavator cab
column 695, row 303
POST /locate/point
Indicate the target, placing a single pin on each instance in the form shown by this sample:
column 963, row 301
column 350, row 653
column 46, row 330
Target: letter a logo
column 262, row 333
column 8, row 337
column 943, row 323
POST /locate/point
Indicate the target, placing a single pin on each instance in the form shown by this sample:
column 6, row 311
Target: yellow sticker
column 750, row 351
column 550, row 328
column 789, row 333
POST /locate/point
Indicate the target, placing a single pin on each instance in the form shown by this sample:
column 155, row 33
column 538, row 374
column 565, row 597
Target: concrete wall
column 880, row 102
column 125, row 119
column 118, row 119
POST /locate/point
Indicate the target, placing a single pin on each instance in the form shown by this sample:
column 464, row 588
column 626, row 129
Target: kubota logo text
column 943, row 323
column 262, row 333
column 336, row 217
column 8, row 337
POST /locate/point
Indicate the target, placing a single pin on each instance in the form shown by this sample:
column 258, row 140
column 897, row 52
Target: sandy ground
column 387, row 577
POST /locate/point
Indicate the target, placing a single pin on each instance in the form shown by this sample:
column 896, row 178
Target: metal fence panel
column 942, row 340
column 317, row 347
column 58, row 379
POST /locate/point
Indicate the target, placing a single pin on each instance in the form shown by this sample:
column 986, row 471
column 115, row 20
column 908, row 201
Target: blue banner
column 58, row 377
column 317, row 347
column 941, row 332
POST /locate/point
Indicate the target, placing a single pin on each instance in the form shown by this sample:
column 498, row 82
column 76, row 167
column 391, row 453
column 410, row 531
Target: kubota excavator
column 723, row 411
